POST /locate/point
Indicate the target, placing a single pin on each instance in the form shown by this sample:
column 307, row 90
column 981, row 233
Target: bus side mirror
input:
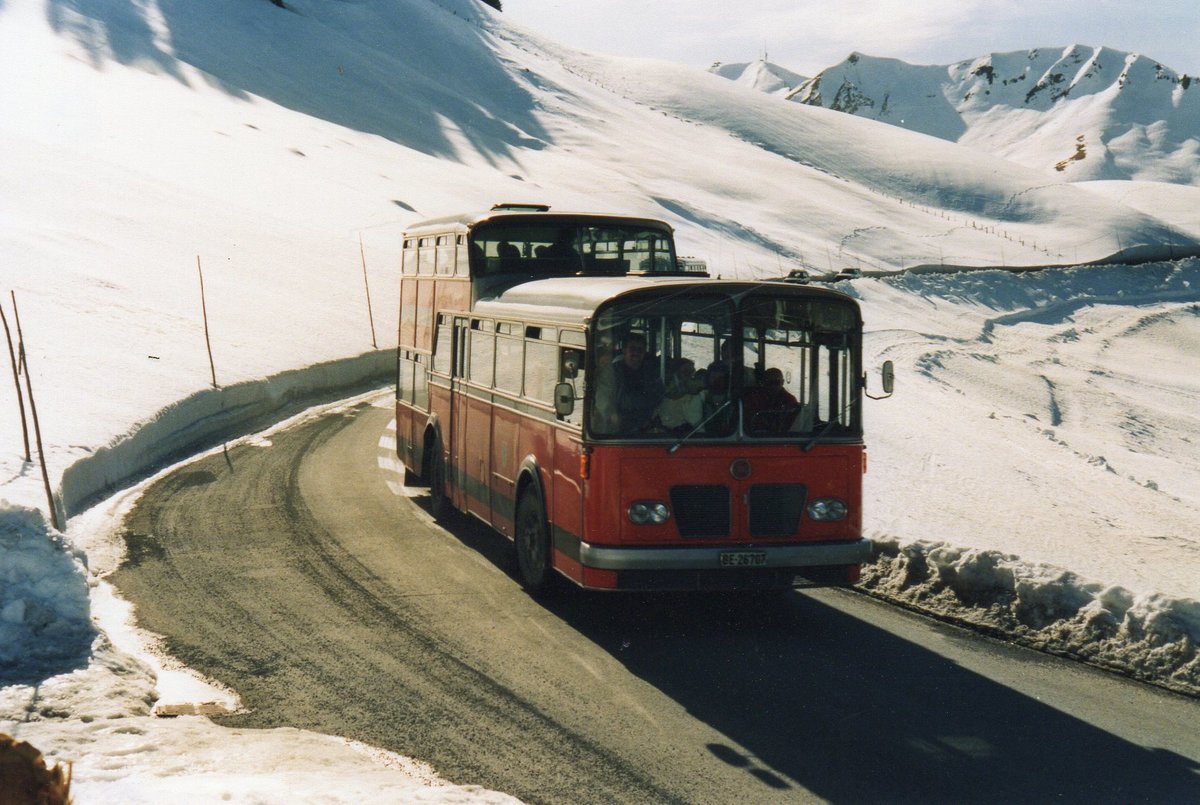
column 564, row 399
column 888, row 376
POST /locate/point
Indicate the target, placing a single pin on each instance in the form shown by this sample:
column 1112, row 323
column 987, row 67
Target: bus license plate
column 743, row 559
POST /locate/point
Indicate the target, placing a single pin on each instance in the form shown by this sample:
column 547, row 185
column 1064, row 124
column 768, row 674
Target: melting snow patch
column 1148, row 637
column 45, row 620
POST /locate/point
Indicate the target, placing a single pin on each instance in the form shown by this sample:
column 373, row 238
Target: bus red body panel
column 623, row 475
column 507, row 316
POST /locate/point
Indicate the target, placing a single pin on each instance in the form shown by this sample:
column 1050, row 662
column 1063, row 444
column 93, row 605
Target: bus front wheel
column 532, row 543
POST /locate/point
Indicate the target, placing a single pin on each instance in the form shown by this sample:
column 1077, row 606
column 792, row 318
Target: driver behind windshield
column 638, row 386
column 769, row 406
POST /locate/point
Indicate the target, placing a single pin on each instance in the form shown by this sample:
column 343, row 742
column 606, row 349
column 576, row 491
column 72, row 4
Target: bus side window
column 571, row 371
column 460, row 347
column 510, row 360
column 442, row 351
column 425, row 256
column 404, row 377
column 570, row 364
column 408, row 259
column 420, row 397
column 445, row 254
column 462, row 263
column 541, row 370
column 483, row 350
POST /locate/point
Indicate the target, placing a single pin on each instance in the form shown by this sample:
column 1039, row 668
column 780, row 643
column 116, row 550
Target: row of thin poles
column 18, row 357
column 204, row 309
column 20, row 366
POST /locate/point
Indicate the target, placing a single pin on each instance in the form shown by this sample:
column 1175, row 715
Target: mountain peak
column 761, row 75
column 1133, row 116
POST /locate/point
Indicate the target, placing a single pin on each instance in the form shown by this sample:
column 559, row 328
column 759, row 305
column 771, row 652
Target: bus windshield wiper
column 821, row 435
column 704, row 422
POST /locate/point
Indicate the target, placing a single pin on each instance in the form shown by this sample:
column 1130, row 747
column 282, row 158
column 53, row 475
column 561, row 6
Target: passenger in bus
column 510, row 257
column 683, row 405
column 639, row 389
column 563, row 247
column 769, row 406
column 727, row 361
column 718, row 413
column 605, row 420
column 558, row 258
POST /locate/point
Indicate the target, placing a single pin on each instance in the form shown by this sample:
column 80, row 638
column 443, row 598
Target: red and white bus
column 628, row 424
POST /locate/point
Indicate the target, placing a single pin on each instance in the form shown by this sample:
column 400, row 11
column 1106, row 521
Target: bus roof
column 527, row 213
column 574, row 300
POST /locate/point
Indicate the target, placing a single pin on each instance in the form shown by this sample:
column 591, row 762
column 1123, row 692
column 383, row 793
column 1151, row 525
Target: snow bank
column 80, row 682
column 100, row 718
column 213, row 415
column 1149, row 637
column 45, row 623
column 45, row 619
column 1048, row 419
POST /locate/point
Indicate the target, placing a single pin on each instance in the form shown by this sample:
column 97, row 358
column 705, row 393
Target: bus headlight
column 642, row 512
column 824, row 509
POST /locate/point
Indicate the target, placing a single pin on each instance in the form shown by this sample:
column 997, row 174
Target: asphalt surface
column 296, row 574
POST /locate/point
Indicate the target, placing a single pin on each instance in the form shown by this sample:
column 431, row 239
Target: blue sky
column 809, row 35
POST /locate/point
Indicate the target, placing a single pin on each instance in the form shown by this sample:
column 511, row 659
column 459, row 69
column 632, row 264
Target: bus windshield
column 702, row 365
column 546, row 247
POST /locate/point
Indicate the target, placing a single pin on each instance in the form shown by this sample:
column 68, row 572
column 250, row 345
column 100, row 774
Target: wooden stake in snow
column 367, row 285
column 204, row 311
column 12, row 356
column 37, row 430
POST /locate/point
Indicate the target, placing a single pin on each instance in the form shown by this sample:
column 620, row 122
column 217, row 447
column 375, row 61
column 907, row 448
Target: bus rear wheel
column 532, row 542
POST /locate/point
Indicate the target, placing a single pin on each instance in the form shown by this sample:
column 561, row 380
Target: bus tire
column 435, row 472
column 531, row 539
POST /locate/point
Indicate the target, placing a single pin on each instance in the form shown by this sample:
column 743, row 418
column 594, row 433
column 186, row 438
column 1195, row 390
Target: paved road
column 295, row 574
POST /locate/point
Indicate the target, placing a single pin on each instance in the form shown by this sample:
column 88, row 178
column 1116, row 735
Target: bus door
column 406, row 369
column 457, row 433
column 475, row 431
column 567, row 513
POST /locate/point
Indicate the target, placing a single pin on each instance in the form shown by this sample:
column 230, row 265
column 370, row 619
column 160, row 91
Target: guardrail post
column 37, row 430
column 370, row 314
column 204, row 311
column 12, row 357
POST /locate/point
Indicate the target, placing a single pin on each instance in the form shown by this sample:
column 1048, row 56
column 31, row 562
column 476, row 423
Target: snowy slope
column 872, row 194
column 1080, row 112
column 270, row 144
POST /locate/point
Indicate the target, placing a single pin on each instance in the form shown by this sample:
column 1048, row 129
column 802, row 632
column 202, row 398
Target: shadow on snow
column 351, row 64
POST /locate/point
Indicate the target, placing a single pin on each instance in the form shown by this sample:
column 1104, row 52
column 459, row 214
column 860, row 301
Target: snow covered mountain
column 761, row 75
column 1081, row 113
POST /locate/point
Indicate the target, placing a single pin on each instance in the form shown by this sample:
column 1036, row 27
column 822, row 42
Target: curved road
column 295, row 573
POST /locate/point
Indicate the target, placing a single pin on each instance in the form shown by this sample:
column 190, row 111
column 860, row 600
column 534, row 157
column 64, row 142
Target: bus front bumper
column 710, row 557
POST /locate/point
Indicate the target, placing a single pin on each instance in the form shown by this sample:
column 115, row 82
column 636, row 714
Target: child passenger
column 682, row 405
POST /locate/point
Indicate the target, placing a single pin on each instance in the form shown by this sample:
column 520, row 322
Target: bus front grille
column 701, row 510
column 775, row 509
